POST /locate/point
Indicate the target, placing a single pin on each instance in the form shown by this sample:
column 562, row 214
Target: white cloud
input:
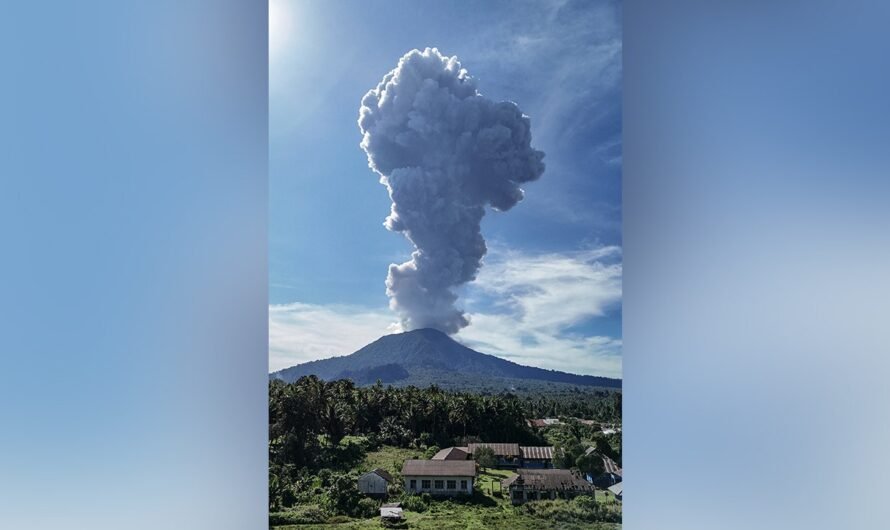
column 523, row 307
column 538, row 299
column 305, row 332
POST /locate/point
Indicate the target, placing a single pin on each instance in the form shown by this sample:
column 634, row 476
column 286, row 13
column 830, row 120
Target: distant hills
column 428, row 356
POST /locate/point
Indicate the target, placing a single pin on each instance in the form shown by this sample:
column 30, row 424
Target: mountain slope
column 425, row 356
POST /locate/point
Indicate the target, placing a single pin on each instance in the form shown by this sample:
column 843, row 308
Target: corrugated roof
column 499, row 449
column 610, row 466
column 617, row 489
column 549, row 480
column 451, row 453
column 537, row 452
column 442, row 468
column 390, row 513
column 384, row 474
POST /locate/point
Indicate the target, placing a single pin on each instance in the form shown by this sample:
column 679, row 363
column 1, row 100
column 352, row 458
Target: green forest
column 324, row 434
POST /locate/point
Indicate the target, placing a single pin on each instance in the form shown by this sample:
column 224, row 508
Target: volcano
column 427, row 356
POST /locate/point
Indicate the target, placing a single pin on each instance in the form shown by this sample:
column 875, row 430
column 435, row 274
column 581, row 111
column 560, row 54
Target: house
column 537, row 457
column 439, row 477
column 508, row 455
column 391, row 512
column 617, row 490
column 452, row 453
column 536, row 484
column 375, row 482
column 611, row 474
column 543, row 422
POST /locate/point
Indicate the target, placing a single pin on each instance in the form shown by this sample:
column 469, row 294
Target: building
column 617, row 490
column 537, row 457
column 439, row 477
column 611, row 474
column 543, row 422
column 391, row 512
column 375, row 482
column 508, row 455
column 537, row 484
column 452, row 453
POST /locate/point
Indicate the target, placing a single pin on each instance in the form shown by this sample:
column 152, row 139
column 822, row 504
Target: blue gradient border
column 133, row 278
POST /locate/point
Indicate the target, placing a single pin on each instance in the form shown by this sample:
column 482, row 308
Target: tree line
column 310, row 413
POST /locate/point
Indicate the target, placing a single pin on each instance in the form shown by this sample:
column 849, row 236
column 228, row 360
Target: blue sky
column 549, row 291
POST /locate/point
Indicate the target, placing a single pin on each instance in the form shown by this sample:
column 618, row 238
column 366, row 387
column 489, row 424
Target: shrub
column 366, row 507
column 414, row 503
column 431, row 452
column 301, row 515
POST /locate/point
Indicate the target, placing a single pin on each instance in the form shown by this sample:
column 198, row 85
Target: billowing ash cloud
column 444, row 152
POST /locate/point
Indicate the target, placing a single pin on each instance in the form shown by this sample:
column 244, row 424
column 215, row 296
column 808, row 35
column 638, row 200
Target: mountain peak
column 427, row 355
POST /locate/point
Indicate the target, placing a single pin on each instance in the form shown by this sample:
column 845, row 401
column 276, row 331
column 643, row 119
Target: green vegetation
column 324, row 435
column 485, row 457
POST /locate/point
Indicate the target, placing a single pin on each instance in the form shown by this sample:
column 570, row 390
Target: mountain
column 428, row 356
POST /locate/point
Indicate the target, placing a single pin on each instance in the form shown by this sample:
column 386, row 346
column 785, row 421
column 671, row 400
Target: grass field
column 388, row 458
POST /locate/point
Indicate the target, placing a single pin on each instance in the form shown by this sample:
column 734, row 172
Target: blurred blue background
column 133, row 278
column 757, row 265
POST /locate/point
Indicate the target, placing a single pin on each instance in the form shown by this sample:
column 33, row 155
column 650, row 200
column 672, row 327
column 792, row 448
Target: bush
column 414, row 503
column 582, row 508
column 301, row 515
column 431, row 452
column 366, row 507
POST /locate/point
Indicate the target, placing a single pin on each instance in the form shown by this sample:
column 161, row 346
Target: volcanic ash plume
column 444, row 152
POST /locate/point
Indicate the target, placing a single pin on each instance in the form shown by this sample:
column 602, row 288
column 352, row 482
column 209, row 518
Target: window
column 463, row 484
column 439, row 484
column 413, row 484
column 452, row 484
column 425, row 484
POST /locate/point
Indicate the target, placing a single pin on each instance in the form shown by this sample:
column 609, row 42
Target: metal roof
column 609, row 465
column 390, row 513
column 537, row 452
column 441, row 468
column 617, row 489
column 451, row 453
column 382, row 473
column 548, row 479
column 499, row 449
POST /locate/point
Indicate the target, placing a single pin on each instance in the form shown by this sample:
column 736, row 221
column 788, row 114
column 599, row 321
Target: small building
column 439, row 477
column 375, row 482
column 539, row 484
column 617, row 490
column 452, row 453
column 508, row 455
column 391, row 512
column 611, row 474
column 539, row 457
column 543, row 422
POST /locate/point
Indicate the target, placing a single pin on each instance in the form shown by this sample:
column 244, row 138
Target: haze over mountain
column 427, row 356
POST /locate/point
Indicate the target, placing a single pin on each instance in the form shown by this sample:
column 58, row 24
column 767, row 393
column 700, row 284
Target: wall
column 433, row 491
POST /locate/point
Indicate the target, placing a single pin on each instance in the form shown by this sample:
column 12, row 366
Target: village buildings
column 439, row 477
column 539, row 484
column 375, row 482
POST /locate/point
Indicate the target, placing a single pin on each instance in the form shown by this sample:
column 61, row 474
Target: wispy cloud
column 305, row 332
column 585, row 36
column 523, row 307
